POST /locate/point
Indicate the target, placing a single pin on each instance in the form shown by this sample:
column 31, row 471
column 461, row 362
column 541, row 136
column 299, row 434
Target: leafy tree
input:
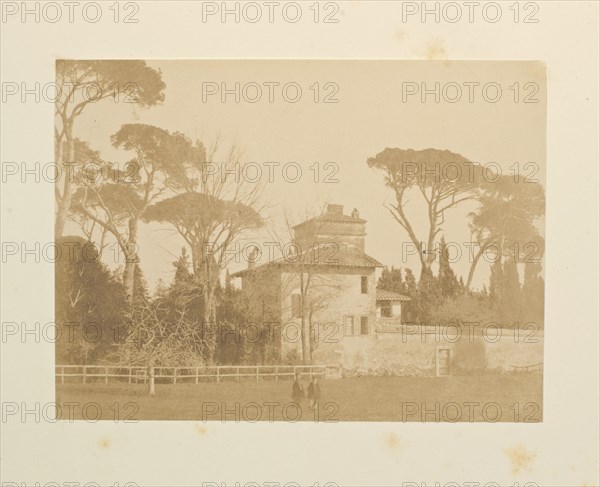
column 92, row 169
column 89, row 303
column 182, row 294
column 411, row 308
column 411, row 283
column 82, row 83
column 533, row 294
column 391, row 280
column 497, row 283
column 504, row 223
column 183, row 287
column 210, row 226
column 505, row 291
column 511, row 302
column 463, row 309
column 118, row 206
column 182, row 269
column 235, row 338
column 429, row 295
column 141, row 296
column 447, row 281
column 443, row 180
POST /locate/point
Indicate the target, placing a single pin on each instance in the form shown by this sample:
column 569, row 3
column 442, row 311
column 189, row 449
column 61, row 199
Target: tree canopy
column 444, row 179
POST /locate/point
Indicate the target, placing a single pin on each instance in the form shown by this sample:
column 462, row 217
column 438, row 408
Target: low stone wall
column 415, row 351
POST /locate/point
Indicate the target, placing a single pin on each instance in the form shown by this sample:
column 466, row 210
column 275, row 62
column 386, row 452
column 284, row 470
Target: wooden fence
column 527, row 368
column 174, row 375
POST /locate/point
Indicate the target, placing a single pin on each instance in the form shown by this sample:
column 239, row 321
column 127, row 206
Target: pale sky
column 370, row 115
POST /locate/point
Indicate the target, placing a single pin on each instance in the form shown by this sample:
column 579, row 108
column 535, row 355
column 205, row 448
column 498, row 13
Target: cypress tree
column 448, row 283
column 512, row 300
column 533, row 294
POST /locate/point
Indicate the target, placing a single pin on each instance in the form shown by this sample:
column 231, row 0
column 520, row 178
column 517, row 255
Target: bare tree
column 153, row 341
column 306, row 268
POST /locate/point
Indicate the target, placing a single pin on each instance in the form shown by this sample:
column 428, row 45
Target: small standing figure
column 314, row 392
column 297, row 389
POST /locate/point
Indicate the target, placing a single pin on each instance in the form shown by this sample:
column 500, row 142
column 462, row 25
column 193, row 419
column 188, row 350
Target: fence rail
column 174, row 375
column 527, row 368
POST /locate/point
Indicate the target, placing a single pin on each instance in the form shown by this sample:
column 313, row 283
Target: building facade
column 327, row 286
column 322, row 306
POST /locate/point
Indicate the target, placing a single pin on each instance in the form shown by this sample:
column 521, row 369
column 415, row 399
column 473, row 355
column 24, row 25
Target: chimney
column 355, row 214
column 335, row 210
column 253, row 257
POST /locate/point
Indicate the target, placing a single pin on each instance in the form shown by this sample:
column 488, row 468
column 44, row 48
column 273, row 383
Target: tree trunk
column 303, row 332
column 131, row 259
column 64, row 204
column 312, row 340
column 424, row 266
column 305, row 351
column 431, row 255
column 129, row 279
column 210, row 328
column 473, row 266
column 151, row 390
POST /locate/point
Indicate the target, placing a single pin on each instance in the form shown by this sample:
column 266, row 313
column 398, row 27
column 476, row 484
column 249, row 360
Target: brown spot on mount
column 520, row 458
column 104, row 443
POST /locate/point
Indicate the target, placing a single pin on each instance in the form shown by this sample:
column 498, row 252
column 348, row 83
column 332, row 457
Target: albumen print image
column 301, row 240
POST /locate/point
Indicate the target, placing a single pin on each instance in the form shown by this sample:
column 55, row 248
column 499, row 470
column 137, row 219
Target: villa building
column 328, row 287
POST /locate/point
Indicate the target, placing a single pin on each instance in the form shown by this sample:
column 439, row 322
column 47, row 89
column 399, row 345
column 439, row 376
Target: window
column 386, row 310
column 364, row 325
column 364, row 284
column 442, row 363
column 296, row 306
column 349, row 326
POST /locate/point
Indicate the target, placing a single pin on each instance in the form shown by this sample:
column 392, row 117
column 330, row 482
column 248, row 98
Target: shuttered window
column 349, row 326
column 364, row 325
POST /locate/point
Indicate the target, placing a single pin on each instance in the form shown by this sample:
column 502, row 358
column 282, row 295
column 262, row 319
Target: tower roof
column 334, row 213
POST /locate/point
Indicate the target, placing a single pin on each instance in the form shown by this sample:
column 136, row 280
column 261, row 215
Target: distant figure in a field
column 314, row 392
column 297, row 389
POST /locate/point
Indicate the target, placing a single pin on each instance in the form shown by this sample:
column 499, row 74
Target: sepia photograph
column 316, row 240
column 288, row 243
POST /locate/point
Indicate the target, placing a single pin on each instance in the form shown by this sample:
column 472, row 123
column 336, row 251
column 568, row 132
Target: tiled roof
column 329, row 217
column 324, row 256
column 383, row 295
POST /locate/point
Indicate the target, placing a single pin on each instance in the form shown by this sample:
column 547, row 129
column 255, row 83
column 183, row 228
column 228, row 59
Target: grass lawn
column 490, row 398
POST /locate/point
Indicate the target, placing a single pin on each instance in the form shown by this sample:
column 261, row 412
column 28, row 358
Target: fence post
column 197, row 371
column 218, row 372
column 276, row 373
column 174, row 375
column 62, row 375
column 238, row 374
column 257, row 373
column 84, row 367
column 106, row 375
column 130, row 375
